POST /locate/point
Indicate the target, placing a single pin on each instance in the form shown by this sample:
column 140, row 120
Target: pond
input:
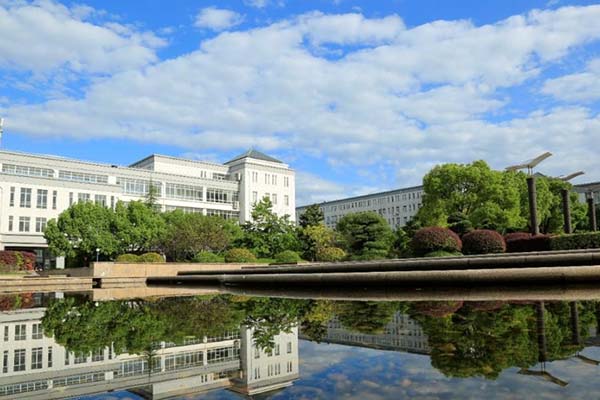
column 233, row 346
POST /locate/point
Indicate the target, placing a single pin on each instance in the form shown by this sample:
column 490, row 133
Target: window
column 67, row 357
column 24, row 224
column 274, row 179
column 274, row 198
column 36, row 357
column 267, row 179
column 26, row 170
column 112, row 202
column 286, row 200
column 222, row 354
column 185, row 192
column 221, row 196
column 6, row 333
column 98, row 355
column 20, row 332
column 100, row 199
column 54, row 198
column 42, row 198
column 10, row 223
column 289, row 366
column 139, row 186
column 277, row 352
column 254, row 197
column 40, row 224
column 12, row 196
column 82, row 177
column 256, row 352
column 80, row 358
column 289, row 347
column 254, row 176
column 50, row 357
column 5, row 362
column 81, row 197
column 257, row 373
column 19, row 360
column 70, row 199
column 25, row 198
column 286, row 181
column 36, row 331
column 219, row 177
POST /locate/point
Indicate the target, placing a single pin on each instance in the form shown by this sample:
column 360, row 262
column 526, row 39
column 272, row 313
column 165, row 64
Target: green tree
column 365, row 235
column 268, row 234
column 81, row 229
column 138, row 227
column 315, row 238
column 368, row 317
column 313, row 216
column 551, row 217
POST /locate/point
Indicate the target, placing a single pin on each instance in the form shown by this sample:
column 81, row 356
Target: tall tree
column 365, row 235
column 138, row 226
column 313, row 216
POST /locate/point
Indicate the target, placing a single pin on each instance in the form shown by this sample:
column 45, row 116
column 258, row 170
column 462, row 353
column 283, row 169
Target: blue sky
column 357, row 96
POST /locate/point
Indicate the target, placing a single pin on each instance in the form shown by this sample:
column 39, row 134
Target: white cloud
column 46, row 36
column 403, row 98
column 583, row 86
column 217, row 19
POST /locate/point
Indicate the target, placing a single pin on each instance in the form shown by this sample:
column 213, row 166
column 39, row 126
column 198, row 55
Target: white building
column 36, row 188
column 34, row 366
column 396, row 206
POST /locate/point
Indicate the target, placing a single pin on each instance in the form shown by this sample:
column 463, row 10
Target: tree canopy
column 365, row 235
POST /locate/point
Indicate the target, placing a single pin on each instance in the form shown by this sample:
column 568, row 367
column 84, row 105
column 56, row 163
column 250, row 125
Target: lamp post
column 97, row 254
column 531, row 190
column 591, row 211
column 566, row 201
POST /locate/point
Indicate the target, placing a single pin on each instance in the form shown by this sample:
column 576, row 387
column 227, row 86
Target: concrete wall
column 135, row 270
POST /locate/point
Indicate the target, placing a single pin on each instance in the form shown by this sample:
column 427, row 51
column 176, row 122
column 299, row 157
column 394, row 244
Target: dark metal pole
column 535, row 229
column 592, row 212
column 566, row 210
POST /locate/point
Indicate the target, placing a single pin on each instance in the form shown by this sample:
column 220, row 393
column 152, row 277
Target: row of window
column 274, row 351
column 370, row 202
column 25, row 195
column 274, row 369
column 20, row 358
column 272, row 197
column 20, row 332
column 25, row 224
column 271, row 179
column 27, row 170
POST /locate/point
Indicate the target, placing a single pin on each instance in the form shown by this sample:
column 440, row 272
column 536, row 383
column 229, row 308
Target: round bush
column 483, row 241
column 288, row 257
column 331, row 254
column 151, row 258
column 128, row 258
column 434, row 238
column 239, row 256
column 207, row 257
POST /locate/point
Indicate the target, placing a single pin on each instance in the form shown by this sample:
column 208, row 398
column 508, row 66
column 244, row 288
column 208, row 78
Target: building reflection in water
column 34, row 366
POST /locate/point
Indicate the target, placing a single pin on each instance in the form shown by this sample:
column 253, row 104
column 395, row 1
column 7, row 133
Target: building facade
column 397, row 207
column 34, row 366
column 588, row 189
column 36, row 188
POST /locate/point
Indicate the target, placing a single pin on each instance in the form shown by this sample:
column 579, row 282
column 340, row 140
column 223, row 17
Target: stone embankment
column 563, row 267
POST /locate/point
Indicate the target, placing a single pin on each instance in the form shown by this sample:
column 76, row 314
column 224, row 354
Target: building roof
column 364, row 196
column 257, row 155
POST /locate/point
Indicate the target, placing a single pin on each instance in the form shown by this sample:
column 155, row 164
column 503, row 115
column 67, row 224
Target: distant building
column 396, row 206
column 402, row 333
column 585, row 188
column 34, row 366
column 36, row 188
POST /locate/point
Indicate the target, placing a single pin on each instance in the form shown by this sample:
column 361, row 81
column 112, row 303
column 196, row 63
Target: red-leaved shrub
column 522, row 242
column 11, row 260
column 434, row 238
column 483, row 241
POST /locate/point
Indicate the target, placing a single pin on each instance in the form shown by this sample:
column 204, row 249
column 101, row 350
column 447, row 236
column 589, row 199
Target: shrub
column 128, row 258
column 590, row 240
column 430, row 239
column 207, row 257
column 287, row 257
column 331, row 254
column 11, row 260
column 239, row 256
column 151, row 258
column 483, row 241
column 522, row 242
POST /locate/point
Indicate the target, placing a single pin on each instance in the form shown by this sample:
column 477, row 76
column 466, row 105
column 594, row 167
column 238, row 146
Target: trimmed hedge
column 434, row 238
column 522, row 242
column 12, row 261
column 207, row 257
column 483, row 241
column 144, row 258
column 151, row 258
column 331, row 254
column 239, row 255
column 442, row 253
column 287, row 257
column 575, row 241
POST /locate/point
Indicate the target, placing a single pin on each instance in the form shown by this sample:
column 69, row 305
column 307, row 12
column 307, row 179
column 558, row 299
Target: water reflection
column 165, row 347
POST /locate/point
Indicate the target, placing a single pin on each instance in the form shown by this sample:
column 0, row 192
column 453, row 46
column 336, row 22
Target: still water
column 235, row 346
